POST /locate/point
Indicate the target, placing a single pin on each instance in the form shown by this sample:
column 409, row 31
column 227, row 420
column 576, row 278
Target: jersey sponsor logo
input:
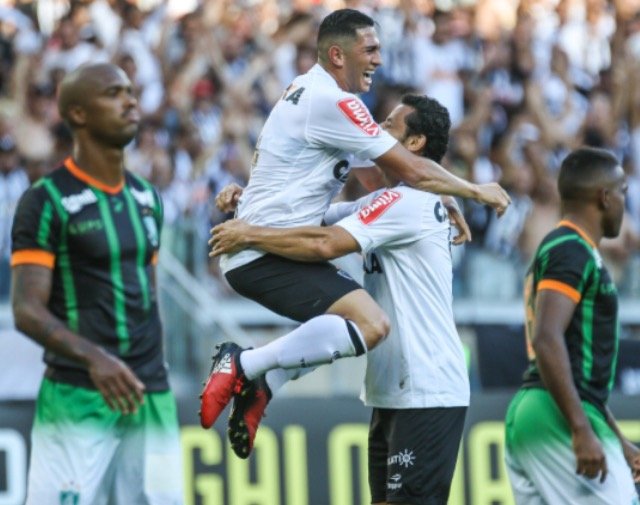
column 404, row 458
column 359, row 115
column 608, row 289
column 87, row 226
column 74, row 203
column 379, row 206
column 144, row 198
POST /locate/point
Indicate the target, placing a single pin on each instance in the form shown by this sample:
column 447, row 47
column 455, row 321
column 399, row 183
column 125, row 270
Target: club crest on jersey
column 379, row 206
column 359, row 115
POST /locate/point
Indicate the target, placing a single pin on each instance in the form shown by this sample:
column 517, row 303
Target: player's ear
column 416, row 143
column 76, row 115
column 336, row 55
column 604, row 198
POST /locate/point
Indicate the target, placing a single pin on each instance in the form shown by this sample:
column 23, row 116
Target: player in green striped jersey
column 85, row 241
column 563, row 444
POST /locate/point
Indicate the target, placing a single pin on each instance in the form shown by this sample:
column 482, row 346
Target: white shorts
column 541, row 463
column 83, row 453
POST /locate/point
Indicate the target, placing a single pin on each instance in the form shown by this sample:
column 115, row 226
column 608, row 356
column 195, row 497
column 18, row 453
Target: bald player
column 563, row 444
column 85, row 242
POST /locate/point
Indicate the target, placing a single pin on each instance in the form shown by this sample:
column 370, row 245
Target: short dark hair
column 343, row 23
column 583, row 169
column 431, row 119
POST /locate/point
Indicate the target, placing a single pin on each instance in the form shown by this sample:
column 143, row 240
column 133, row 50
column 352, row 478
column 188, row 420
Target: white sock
column 320, row 340
column 278, row 377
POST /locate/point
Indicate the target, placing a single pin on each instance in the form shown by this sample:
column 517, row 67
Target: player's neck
column 587, row 224
column 337, row 75
column 105, row 165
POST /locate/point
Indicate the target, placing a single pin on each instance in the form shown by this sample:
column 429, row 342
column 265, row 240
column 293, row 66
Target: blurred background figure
column 13, row 182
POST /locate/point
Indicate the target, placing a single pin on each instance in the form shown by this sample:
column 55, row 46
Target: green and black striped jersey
column 101, row 243
column 569, row 262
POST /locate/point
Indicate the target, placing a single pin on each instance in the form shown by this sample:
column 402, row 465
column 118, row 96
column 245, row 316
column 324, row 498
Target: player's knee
column 378, row 328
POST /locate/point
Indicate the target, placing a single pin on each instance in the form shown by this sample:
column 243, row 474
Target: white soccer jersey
column 405, row 237
column 304, row 155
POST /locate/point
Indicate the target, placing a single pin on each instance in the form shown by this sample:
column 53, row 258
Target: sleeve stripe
column 561, row 287
column 33, row 257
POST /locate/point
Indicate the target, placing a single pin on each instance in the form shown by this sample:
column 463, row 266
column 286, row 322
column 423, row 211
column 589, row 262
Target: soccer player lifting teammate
column 303, row 156
column 85, row 242
column 416, row 379
column 562, row 443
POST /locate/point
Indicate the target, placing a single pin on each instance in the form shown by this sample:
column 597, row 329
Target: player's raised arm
column 427, row 175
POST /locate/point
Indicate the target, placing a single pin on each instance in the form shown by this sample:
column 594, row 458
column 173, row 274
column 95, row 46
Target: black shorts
column 413, row 453
column 290, row 288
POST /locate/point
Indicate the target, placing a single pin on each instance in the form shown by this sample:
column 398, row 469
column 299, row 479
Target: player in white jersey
column 302, row 159
column 416, row 379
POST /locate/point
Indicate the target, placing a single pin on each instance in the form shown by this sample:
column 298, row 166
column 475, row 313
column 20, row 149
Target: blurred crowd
column 525, row 81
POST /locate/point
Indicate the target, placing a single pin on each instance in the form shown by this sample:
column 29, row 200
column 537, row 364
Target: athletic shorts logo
column 404, row 458
column 394, row 482
column 379, row 206
column 359, row 115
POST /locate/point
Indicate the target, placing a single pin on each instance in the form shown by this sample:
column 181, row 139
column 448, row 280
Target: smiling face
column 361, row 59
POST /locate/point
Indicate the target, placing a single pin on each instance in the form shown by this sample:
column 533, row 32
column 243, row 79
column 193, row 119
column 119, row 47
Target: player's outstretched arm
column 31, row 290
column 304, row 243
column 427, row 175
column 553, row 314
